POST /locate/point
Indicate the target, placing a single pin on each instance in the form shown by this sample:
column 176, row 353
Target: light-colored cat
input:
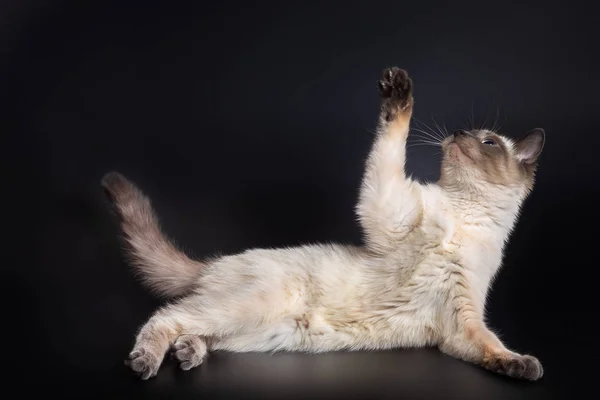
column 421, row 279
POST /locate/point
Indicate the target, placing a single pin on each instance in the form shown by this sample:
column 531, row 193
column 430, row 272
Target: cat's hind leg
column 189, row 350
column 234, row 295
column 168, row 326
column 185, row 325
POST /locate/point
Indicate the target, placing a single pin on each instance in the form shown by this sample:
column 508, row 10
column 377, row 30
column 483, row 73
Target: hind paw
column 143, row 362
column 189, row 350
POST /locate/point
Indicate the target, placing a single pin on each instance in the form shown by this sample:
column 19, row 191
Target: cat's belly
column 315, row 333
column 329, row 309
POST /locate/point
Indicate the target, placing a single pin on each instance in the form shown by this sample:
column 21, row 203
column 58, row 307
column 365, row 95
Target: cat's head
column 481, row 159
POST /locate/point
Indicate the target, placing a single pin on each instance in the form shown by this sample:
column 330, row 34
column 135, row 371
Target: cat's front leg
column 389, row 206
column 477, row 344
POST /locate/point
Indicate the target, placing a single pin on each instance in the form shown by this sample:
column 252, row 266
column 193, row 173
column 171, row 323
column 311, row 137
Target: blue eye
column 489, row 142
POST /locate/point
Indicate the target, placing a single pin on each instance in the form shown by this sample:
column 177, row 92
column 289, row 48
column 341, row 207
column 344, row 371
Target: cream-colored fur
column 421, row 279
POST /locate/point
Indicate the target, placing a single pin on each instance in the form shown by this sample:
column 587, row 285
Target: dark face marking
column 484, row 155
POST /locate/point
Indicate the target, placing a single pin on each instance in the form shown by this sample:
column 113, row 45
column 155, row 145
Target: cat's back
column 310, row 263
column 294, row 278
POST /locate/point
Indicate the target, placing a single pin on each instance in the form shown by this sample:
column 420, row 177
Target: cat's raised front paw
column 143, row 362
column 516, row 366
column 395, row 87
column 189, row 350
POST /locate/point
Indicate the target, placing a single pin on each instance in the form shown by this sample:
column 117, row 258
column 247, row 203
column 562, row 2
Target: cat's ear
column 530, row 146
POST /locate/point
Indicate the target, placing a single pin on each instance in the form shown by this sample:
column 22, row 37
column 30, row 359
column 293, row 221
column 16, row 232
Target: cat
column 421, row 278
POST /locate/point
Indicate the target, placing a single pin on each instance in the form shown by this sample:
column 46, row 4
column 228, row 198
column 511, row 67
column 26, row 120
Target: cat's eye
column 489, row 142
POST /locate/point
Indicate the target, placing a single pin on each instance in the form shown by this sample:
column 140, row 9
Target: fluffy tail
column 162, row 266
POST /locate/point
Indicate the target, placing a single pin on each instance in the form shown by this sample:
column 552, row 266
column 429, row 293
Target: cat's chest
column 466, row 260
column 449, row 238
column 477, row 250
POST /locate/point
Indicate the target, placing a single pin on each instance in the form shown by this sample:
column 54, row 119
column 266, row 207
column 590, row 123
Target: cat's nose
column 461, row 132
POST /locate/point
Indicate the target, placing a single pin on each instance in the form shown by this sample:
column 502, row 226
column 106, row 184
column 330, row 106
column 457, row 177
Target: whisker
column 494, row 127
column 429, row 143
column 431, row 130
column 484, row 122
column 429, row 135
column 421, row 144
column 428, row 132
column 437, row 126
column 417, row 135
column 445, row 130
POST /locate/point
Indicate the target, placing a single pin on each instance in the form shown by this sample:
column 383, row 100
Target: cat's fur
column 421, row 279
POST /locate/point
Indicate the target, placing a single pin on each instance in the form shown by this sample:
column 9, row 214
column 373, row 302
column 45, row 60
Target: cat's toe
column 524, row 367
column 533, row 368
column 514, row 367
column 190, row 351
column 518, row 366
column 143, row 362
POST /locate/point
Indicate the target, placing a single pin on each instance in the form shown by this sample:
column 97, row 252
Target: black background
column 248, row 125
